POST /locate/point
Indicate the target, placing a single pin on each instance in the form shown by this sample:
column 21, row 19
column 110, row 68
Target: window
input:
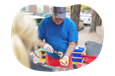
column 48, row 15
column 40, row 9
column 81, row 15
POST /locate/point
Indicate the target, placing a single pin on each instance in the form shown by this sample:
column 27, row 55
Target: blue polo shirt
column 58, row 36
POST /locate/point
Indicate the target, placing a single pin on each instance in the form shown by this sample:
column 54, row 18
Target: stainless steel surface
column 60, row 69
column 57, row 69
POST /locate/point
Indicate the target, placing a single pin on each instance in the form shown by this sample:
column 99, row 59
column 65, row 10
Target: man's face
column 57, row 21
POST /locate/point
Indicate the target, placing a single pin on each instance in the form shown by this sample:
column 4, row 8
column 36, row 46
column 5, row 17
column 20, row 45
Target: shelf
column 42, row 59
column 42, row 54
column 77, row 57
column 75, row 62
column 77, row 53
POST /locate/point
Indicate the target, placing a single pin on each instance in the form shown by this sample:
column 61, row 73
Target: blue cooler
column 76, row 55
column 76, row 60
column 78, row 51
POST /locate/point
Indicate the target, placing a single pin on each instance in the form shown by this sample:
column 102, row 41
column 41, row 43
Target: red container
column 88, row 59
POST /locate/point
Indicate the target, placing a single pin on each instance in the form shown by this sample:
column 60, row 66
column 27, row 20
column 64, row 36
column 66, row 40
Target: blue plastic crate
column 76, row 55
column 72, row 55
column 76, row 60
column 80, row 49
column 78, row 52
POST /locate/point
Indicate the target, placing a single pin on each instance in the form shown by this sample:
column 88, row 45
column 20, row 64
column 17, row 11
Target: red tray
column 88, row 59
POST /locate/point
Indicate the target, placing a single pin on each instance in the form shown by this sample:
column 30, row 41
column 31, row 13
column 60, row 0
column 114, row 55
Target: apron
column 55, row 62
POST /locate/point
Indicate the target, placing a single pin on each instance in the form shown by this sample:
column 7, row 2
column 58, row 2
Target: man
column 60, row 34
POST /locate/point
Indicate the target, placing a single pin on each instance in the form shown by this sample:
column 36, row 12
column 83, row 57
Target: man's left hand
column 64, row 61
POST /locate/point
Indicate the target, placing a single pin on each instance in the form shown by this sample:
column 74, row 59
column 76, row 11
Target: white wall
column 40, row 8
column 50, row 9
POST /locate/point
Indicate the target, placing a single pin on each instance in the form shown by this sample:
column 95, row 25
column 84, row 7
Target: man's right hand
column 48, row 48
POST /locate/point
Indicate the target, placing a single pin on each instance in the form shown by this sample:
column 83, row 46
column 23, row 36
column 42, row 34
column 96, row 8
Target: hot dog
column 63, row 61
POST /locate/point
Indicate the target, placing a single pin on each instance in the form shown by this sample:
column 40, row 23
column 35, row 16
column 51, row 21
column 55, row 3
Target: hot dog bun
column 63, row 61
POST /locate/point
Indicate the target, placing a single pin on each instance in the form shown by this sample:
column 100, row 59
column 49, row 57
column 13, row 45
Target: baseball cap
column 60, row 12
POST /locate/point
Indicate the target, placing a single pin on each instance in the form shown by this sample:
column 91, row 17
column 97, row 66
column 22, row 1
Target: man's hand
column 48, row 48
column 64, row 61
column 45, row 45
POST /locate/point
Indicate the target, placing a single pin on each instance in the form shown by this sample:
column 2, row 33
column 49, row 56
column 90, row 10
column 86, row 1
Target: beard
column 58, row 23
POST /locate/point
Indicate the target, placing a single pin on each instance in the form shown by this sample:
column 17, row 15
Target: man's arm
column 70, row 49
column 65, row 60
column 40, row 42
column 72, row 37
